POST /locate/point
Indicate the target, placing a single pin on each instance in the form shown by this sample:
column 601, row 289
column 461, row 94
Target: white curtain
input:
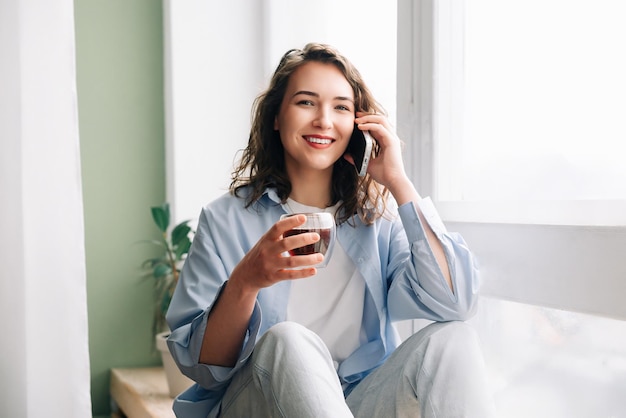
column 44, row 356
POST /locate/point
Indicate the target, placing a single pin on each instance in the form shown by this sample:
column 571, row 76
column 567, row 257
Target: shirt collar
column 271, row 193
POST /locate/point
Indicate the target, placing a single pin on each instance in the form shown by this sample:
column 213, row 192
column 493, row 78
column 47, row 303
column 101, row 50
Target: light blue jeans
column 437, row 372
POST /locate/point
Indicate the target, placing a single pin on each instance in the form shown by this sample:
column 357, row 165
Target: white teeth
column 319, row 140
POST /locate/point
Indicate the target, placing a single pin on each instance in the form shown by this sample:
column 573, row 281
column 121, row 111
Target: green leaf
column 180, row 232
column 183, row 247
column 151, row 262
column 161, row 216
column 161, row 270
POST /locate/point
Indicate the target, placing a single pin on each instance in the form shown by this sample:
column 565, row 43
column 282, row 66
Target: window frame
column 572, row 267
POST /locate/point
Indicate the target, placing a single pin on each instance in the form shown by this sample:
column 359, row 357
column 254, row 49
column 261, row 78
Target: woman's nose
column 323, row 119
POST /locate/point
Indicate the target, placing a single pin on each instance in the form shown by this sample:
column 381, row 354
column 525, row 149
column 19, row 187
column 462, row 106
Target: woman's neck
column 312, row 189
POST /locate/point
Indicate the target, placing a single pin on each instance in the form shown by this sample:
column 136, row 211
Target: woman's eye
column 305, row 102
column 343, row 107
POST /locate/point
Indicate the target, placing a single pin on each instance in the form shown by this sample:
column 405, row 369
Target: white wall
column 213, row 57
column 219, row 57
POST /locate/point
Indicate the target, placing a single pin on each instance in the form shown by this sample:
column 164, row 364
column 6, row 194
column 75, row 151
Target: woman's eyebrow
column 306, row 93
column 313, row 94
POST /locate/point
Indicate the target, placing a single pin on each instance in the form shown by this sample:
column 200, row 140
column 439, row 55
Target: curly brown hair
column 262, row 163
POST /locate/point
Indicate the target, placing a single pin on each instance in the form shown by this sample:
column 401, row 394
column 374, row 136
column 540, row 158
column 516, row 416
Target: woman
column 265, row 334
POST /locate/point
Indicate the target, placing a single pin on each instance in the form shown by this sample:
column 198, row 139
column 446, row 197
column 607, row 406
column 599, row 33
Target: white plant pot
column 176, row 381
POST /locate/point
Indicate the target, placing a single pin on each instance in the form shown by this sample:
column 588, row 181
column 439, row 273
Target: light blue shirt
column 403, row 281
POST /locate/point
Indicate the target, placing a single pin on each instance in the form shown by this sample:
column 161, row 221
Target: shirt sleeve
column 201, row 282
column 418, row 288
column 185, row 343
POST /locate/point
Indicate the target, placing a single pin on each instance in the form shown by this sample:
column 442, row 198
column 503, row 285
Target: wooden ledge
column 141, row 393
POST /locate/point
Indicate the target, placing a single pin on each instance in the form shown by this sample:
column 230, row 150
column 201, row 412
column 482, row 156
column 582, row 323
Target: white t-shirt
column 331, row 302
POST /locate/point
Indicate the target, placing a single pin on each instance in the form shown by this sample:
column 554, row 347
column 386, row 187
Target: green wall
column 119, row 54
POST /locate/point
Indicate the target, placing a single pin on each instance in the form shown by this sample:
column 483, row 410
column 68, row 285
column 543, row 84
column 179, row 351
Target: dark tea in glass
column 320, row 246
column 324, row 224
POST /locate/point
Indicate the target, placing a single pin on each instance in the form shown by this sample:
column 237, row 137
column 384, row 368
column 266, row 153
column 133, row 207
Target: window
column 513, row 123
column 534, row 121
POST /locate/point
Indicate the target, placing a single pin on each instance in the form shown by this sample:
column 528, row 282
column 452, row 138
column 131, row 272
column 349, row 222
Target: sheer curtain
column 44, row 357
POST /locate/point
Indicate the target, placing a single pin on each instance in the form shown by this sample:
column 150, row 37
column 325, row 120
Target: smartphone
column 360, row 147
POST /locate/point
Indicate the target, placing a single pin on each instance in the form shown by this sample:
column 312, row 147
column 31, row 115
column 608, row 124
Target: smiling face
column 316, row 118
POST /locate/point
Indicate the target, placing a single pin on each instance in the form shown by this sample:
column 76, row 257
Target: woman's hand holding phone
column 387, row 167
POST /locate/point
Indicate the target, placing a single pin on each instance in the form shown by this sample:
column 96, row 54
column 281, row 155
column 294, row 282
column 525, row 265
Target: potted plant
column 175, row 243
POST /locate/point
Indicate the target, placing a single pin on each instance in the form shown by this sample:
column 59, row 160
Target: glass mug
column 324, row 224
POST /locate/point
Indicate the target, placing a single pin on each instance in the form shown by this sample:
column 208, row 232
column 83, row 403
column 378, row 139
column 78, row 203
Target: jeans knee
column 456, row 332
column 455, row 342
column 286, row 333
column 292, row 351
column 286, row 339
column 293, row 371
column 445, row 338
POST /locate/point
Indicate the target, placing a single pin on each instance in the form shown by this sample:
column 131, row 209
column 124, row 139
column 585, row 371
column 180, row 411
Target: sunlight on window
column 545, row 101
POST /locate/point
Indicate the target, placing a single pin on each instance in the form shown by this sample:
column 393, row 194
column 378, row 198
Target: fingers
column 373, row 121
column 266, row 263
column 387, row 166
column 295, row 274
column 290, row 222
column 299, row 266
column 379, row 127
column 263, row 266
column 278, row 234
